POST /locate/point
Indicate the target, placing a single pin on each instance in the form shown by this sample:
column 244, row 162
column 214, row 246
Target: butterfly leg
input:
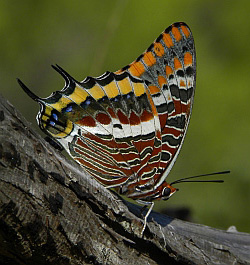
column 147, row 214
column 142, row 209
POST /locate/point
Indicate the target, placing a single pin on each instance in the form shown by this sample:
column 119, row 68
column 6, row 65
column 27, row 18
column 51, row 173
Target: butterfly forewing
column 126, row 128
column 168, row 67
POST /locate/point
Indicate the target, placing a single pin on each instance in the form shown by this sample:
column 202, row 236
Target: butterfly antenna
column 199, row 176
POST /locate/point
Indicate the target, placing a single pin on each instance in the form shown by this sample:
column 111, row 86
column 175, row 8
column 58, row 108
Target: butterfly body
column 126, row 128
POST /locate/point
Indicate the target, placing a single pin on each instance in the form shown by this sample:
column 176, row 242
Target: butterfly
column 126, row 128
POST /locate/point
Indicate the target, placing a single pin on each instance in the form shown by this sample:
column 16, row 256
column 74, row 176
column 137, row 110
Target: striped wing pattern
column 126, row 128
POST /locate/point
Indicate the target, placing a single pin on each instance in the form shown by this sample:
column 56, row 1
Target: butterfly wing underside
column 126, row 128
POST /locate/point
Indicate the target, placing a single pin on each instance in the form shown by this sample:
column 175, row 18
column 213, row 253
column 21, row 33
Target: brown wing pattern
column 126, row 128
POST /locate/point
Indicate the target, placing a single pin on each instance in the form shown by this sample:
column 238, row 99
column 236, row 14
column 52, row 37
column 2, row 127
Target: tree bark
column 52, row 212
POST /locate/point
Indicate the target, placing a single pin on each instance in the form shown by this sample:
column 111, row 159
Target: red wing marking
column 126, row 128
column 103, row 118
column 87, row 121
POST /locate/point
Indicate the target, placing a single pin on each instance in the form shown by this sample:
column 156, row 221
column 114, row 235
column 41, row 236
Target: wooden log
column 52, row 212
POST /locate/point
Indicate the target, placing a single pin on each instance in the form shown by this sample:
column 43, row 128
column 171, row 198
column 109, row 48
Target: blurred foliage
column 91, row 37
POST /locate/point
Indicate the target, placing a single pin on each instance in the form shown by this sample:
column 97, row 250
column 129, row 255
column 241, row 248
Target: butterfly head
column 166, row 191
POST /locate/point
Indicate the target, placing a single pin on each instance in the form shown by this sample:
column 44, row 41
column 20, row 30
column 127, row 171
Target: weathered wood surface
column 51, row 212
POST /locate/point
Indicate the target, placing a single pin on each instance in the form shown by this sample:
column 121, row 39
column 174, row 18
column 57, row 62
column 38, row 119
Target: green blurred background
column 90, row 37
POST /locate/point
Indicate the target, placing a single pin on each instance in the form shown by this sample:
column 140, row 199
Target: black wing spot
column 165, row 156
column 171, row 140
column 118, row 126
column 150, row 47
column 125, row 67
column 190, row 92
column 170, row 107
column 177, row 122
column 159, row 38
column 175, row 91
column 139, row 58
column 184, row 49
column 180, row 73
column 190, row 71
column 183, row 95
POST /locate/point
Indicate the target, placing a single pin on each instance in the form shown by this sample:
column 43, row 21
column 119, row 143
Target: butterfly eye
column 166, row 192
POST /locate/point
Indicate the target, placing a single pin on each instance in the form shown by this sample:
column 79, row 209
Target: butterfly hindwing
column 126, row 128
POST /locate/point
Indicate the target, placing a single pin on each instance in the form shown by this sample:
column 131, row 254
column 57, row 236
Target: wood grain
column 52, row 212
